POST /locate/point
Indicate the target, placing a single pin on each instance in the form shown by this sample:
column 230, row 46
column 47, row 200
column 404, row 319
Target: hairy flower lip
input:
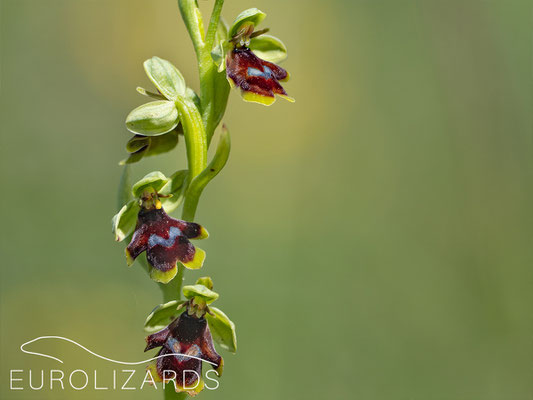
column 259, row 80
column 166, row 242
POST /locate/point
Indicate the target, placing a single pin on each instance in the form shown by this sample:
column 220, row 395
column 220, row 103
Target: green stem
column 172, row 290
column 192, row 17
column 195, row 139
column 197, row 186
column 208, row 75
column 213, row 25
column 206, row 67
column 198, row 130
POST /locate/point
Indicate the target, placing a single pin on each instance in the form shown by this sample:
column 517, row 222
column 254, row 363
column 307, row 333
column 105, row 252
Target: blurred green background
column 371, row 241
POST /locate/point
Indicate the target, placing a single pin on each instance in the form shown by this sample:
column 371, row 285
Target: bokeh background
column 371, row 241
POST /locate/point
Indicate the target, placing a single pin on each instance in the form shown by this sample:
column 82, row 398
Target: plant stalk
column 198, row 129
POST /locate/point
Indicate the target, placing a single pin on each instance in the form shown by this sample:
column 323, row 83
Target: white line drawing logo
column 100, row 356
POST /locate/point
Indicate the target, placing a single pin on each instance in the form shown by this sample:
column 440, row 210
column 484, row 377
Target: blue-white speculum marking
column 267, row 73
column 158, row 240
column 194, row 350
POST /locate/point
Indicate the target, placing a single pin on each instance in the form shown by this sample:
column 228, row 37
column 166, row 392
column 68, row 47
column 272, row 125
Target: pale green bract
column 154, row 118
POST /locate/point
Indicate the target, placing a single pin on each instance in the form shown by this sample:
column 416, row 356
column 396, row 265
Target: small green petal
column 222, row 329
column 163, row 315
column 157, row 180
column 166, row 77
column 252, row 16
column 191, row 291
column 154, row 118
column 268, row 48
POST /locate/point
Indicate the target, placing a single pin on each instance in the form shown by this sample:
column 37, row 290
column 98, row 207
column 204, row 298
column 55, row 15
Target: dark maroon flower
column 258, row 79
column 166, row 242
column 184, row 344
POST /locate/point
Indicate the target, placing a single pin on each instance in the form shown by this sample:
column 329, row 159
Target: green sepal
column 252, row 16
column 145, row 146
column 154, row 118
column 218, row 54
column 201, row 291
column 163, row 315
column 206, row 281
column 155, row 179
column 166, row 77
column 222, row 329
column 268, row 48
column 176, row 187
column 125, row 220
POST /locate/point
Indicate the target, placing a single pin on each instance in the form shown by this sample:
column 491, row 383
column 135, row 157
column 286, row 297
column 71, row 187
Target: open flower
column 189, row 336
column 166, row 241
column 258, row 79
column 249, row 58
column 187, row 341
